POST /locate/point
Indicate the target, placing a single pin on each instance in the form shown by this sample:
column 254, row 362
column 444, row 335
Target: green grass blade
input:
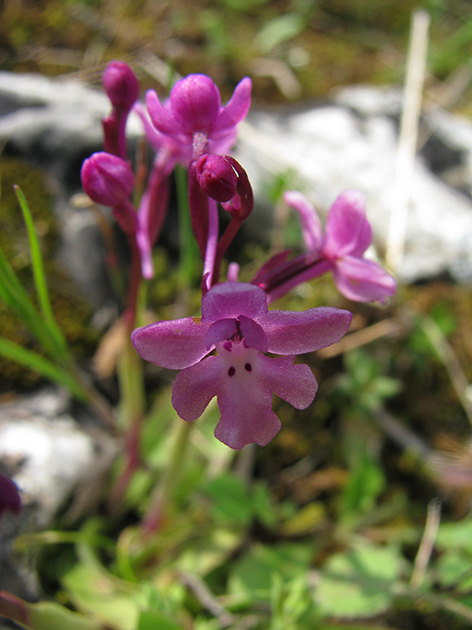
column 39, row 275
column 34, row 361
column 16, row 298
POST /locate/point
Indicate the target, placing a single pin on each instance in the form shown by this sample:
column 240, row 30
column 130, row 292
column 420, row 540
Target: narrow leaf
column 30, row 359
column 16, row 298
column 38, row 273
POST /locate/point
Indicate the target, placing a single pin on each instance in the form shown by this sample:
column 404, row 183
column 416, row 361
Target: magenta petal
column 306, row 331
column 246, row 412
column 160, row 116
column 222, row 143
column 220, row 331
column 194, row 387
column 345, row 225
column 253, row 334
column 172, row 344
column 231, row 299
column 195, row 101
column 364, row 239
column 154, row 137
column 293, row 383
column 252, row 420
column 236, row 109
column 310, row 222
column 363, row 280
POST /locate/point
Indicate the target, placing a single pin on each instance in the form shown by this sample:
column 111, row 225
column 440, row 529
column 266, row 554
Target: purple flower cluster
column 225, row 352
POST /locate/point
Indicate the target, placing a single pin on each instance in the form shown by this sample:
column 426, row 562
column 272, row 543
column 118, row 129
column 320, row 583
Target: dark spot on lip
column 248, row 367
column 231, row 371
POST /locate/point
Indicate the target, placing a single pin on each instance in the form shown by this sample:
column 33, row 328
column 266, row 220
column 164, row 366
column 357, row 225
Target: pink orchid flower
column 237, row 323
column 341, row 250
column 194, row 119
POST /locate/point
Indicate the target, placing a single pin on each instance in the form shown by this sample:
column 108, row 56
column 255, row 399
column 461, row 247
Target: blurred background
column 293, row 49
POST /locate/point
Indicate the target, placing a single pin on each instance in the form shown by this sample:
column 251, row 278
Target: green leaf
column 292, row 605
column 208, row 552
column 16, row 298
column 455, row 536
column 51, row 616
column 39, row 275
column 36, row 362
column 454, row 570
column 360, row 582
column 230, row 499
column 44, row 615
column 304, row 521
column 280, row 29
column 263, row 504
column 149, row 620
column 253, row 576
column 366, row 481
column 94, row 590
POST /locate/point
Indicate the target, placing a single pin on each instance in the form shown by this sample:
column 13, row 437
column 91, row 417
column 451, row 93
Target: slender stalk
column 135, row 278
column 212, row 243
column 427, row 543
column 225, row 241
column 404, row 169
column 188, row 248
column 131, row 379
column 160, row 500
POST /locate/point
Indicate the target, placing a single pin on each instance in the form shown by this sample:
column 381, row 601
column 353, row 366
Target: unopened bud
column 241, row 205
column 217, row 177
column 121, row 85
column 196, row 102
column 107, row 179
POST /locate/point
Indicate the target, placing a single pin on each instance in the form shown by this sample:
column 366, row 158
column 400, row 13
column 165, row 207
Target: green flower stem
column 161, row 499
column 188, row 245
column 131, row 381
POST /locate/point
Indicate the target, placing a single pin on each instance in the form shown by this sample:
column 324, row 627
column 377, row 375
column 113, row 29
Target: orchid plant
column 224, row 353
column 237, row 348
column 227, row 351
